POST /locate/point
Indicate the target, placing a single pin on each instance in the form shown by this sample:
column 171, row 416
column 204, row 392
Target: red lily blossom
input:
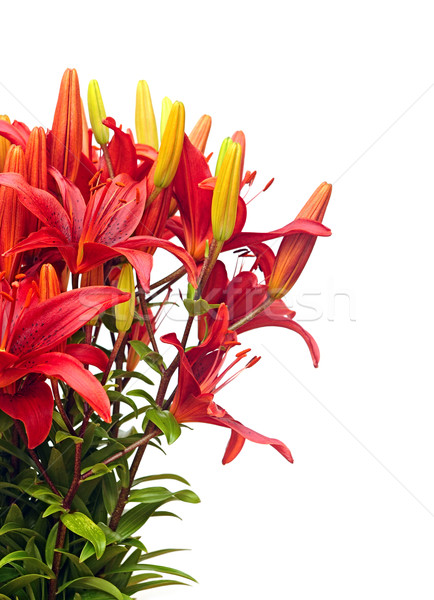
column 242, row 295
column 30, row 330
column 200, row 377
column 88, row 235
column 194, row 198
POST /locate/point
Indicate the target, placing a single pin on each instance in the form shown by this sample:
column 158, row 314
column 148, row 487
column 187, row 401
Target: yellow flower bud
column 124, row 312
column 166, row 107
column 146, row 127
column 226, row 144
column 4, row 144
column 171, row 147
column 225, row 197
column 97, row 113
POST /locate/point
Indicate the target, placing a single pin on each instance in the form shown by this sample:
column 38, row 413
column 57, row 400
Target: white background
column 336, row 91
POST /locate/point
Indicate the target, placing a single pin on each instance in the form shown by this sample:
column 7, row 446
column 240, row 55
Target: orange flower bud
column 14, row 217
column 4, row 144
column 225, row 197
column 146, row 126
column 240, row 138
column 200, row 132
column 67, row 127
column 48, row 282
column 36, row 159
column 294, row 250
column 171, row 147
column 93, row 277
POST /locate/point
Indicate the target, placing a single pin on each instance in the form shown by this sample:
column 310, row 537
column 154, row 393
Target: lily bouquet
column 82, row 213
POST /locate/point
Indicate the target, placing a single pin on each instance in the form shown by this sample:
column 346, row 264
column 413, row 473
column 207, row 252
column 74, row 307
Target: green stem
column 108, row 160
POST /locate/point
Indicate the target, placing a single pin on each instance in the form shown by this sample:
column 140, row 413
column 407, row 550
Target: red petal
column 71, row 371
column 42, row 204
column 12, row 133
column 298, row 226
column 234, row 447
column 33, row 405
column 143, row 241
column 73, row 202
column 47, row 324
column 88, row 355
column 272, row 318
column 122, row 151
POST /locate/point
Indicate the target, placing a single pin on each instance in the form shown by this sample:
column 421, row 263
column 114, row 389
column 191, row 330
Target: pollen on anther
column 120, row 184
column 20, row 276
column 243, row 353
column 268, row 185
column 253, row 362
column 6, row 296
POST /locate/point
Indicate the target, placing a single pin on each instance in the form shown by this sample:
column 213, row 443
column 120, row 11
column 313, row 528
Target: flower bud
column 146, row 126
column 225, row 197
column 240, row 138
column 200, row 132
column 67, row 128
column 125, row 311
column 294, row 250
column 171, row 147
column 48, row 282
column 4, row 144
column 14, row 217
column 36, row 158
column 97, row 113
column 226, row 144
column 166, row 107
column 93, row 277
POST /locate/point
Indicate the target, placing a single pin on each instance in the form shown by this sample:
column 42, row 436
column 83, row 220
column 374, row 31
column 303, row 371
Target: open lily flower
column 30, row 329
column 88, row 235
column 201, row 375
column 242, row 295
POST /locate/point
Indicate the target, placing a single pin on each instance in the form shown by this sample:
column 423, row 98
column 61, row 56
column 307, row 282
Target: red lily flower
column 30, row 330
column 88, row 236
column 242, row 295
column 193, row 187
column 199, row 380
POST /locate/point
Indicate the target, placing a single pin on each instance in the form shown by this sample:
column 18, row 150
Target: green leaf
column 187, row 496
column 98, row 470
column 82, row 569
column 135, row 518
column 142, row 394
column 128, row 374
column 160, row 476
column 33, row 563
column 15, row 515
column 115, row 396
column 52, row 509
column 161, row 552
column 147, row 585
column 153, row 359
column 110, row 492
column 199, row 307
column 81, row 525
column 63, row 435
column 50, row 545
column 11, row 449
column 139, row 567
column 15, row 528
column 93, row 583
column 151, row 494
column 165, row 421
column 17, row 584
column 56, row 469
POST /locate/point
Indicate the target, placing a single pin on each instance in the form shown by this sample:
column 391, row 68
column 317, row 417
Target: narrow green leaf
column 160, row 476
column 17, row 584
column 63, row 435
column 81, row 525
column 128, row 374
column 93, row 583
column 151, row 494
